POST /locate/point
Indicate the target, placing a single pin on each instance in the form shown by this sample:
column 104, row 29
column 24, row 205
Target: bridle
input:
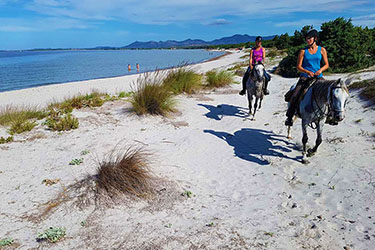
column 331, row 108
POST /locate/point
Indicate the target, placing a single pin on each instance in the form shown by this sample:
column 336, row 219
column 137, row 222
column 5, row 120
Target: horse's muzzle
column 339, row 116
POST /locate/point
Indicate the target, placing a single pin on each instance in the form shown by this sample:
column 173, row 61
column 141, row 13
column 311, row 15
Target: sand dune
column 250, row 190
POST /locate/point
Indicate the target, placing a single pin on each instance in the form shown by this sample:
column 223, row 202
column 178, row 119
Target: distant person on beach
column 137, row 66
column 129, row 68
column 257, row 55
column 309, row 64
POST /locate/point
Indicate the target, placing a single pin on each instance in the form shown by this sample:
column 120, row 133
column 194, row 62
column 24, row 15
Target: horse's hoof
column 310, row 152
column 305, row 161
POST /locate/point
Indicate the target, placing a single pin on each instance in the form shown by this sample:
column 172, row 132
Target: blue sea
column 26, row 69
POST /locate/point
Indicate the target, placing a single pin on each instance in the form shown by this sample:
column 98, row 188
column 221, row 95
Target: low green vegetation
column 151, row 96
column 94, row 99
column 6, row 242
column 219, row 79
column 10, row 115
column 4, row 140
column 182, row 80
column 367, row 91
column 61, row 122
column 52, row 234
column 76, row 161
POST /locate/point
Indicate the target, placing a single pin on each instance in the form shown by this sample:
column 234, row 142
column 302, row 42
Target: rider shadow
column 252, row 144
column 222, row 110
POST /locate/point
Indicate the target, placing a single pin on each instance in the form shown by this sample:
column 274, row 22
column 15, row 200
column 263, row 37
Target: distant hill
column 235, row 39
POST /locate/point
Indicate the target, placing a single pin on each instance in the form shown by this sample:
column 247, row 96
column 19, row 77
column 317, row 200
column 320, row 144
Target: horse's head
column 259, row 72
column 339, row 97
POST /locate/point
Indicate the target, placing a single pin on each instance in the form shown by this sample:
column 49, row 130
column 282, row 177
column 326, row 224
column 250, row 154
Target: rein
column 330, row 101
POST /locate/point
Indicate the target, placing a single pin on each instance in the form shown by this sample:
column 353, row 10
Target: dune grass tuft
column 219, row 79
column 20, row 126
column 367, row 89
column 125, row 174
column 94, row 99
column 182, row 80
column 10, row 114
column 151, row 96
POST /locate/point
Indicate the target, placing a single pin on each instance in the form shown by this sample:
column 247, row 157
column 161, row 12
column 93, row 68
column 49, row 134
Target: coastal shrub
column 151, row 96
column 58, row 122
column 10, row 114
column 218, row 79
column 20, row 126
column 367, row 89
column 4, row 140
column 52, row 234
column 182, row 80
column 349, row 48
column 125, row 173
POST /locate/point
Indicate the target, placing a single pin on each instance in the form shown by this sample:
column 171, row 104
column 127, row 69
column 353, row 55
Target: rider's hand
column 311, row 74
column 317, row 73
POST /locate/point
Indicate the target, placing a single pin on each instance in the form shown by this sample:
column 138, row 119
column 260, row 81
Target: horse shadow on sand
column 253, row 144
column 221, row 110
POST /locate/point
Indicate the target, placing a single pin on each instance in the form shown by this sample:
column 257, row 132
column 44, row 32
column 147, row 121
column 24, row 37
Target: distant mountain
column 193, row 42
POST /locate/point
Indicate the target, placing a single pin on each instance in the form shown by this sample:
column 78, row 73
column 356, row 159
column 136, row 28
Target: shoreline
column 44, row 94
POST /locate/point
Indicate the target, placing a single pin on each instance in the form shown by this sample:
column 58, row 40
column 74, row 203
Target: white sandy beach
column 250, row 190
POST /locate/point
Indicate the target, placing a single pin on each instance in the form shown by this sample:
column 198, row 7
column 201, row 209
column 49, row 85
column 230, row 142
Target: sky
column 27, row 24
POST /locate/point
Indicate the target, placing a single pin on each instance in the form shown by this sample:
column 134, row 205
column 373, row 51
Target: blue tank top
column 312, row 62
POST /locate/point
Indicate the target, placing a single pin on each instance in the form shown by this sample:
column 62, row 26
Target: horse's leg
column 304, row 142
column 249, row 99
column 318, row 141
column 260, row 102
column 255, row 105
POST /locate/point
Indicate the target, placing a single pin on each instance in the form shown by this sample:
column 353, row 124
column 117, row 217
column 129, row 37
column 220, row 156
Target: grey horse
column 254, row 87
column 323, row 98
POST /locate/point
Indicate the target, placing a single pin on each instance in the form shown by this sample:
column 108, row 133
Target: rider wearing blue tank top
column 309, row 64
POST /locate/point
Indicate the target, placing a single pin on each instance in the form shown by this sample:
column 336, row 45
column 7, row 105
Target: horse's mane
column 321, row 87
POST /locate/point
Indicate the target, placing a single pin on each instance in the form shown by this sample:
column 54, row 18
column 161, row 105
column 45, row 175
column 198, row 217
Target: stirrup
column 266, row 92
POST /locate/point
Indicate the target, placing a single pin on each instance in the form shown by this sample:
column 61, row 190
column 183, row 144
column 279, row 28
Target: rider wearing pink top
column 257, row 55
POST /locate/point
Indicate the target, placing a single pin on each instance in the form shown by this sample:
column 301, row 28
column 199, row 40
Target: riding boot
column 265, row 90
column 291, row 111
column 244, row 80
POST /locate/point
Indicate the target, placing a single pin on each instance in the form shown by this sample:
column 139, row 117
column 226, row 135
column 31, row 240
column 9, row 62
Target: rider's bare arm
column 251, row 59
column 325, row 60
column 299, row 64
column 264, row 55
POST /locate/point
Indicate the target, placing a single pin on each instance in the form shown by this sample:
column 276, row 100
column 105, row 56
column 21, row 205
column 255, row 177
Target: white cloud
column 172, row 11
column 300, row 23
column 364, row 21
column 40, row 24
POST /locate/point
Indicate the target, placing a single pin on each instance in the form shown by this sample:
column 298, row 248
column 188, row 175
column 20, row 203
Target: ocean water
column 26, row 69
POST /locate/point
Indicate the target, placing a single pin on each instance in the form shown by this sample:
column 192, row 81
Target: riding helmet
column 312, row 33
column 258, row 39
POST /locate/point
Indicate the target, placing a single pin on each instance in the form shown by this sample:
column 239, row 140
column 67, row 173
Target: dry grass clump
column 273, row 52
column 218, row 79
column 151, row 96
column 125, row 174
column 367, row 89
column 182, row 80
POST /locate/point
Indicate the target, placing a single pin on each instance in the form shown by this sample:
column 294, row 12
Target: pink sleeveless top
column 257, row 55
